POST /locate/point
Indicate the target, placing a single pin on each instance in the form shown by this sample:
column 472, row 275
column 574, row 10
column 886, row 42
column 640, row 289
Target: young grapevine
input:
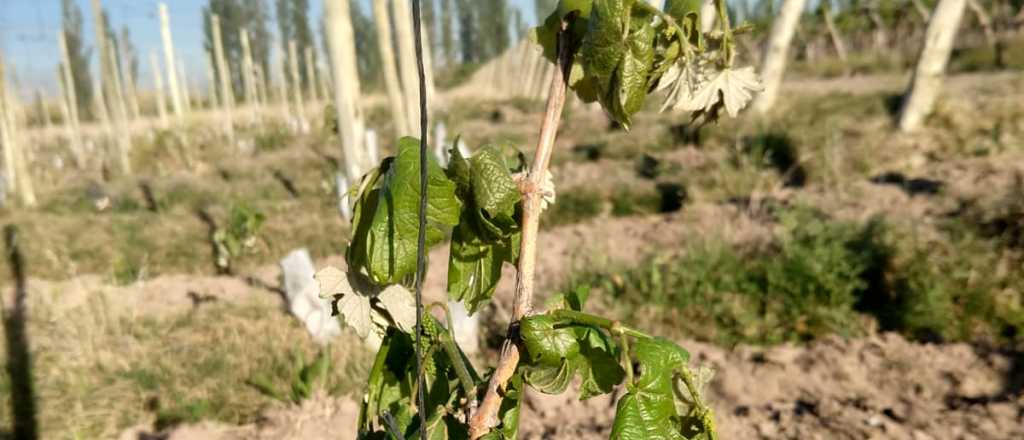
column 615, row 52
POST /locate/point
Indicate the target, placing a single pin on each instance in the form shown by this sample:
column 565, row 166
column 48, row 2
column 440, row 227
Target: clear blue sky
column 28, row 34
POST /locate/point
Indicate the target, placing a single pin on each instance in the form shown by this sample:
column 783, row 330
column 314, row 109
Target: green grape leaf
column 488, row 231
column 686, row 13
column 387, row 225
column 659, row 359
column 494, row 190
column 552, row 379
column 618, row 54
column 546, row 35
column 545, row 344
column 601, row 371
column 474, row 266
column 642, row 416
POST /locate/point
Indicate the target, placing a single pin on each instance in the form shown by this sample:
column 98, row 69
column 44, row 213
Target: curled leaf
column 400, row 305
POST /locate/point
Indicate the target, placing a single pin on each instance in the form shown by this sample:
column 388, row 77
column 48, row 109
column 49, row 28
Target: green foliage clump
column 238, row 236
column 804, row 287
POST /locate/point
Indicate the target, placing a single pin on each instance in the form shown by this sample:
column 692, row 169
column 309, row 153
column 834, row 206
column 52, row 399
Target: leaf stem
column 485, row 417
column 664, row 16
column 615, row 327
column 448, row 343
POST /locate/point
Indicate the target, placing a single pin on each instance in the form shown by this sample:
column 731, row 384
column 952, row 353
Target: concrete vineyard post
column 340, row 39
column 293, row 68
column 311, row 75
column 169, row 63
column 70, row 100
column 248, row 81
column 777, row 53
column 407, row 63
column 931, row 64
column 158, row 84
column 227, row 97
column 385, row 45
column 18, row 175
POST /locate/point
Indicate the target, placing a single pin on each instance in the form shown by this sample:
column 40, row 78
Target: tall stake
column 9, row 135
column 931, row 65
column 777, row 53
column 120, row 115
column 186, row 94
column 382, row 20
column 158, row 84
column 227, row 95
column 169, row 62
column 346, row 90
column 407, row 61
column 247, row 69
column 293, row 61
column 71, row 100
column 311, row 75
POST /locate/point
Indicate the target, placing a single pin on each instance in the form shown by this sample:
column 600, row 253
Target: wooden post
column 101, row 53
column 833, row 33
column 261, row 85
column 346, row 87
column 158, row 84
column 227, row 95
column 293, row 60
column 931, row 65
column 169, row 62
column 186, row 93
column 71, row 101
column 777, row 52
column 382, row 20
column 247, row 70
column 281, row 90
column 407, row 63
column 131, row 92
column 311, row 75
column 211, row 81
column 18, row 169
column 120, row 115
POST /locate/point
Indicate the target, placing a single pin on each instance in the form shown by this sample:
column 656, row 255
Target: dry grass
column 96, row 374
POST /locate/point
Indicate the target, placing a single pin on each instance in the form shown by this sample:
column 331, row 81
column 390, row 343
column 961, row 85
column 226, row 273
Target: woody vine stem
column 485, row 416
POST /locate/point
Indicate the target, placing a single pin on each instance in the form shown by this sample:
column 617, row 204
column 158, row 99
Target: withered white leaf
column 355, row 310
column 332, row 282
column 400, row 305
column 547, row 190
column 734, row 87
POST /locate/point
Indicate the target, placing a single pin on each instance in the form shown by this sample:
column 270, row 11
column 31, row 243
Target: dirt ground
column 872, row 388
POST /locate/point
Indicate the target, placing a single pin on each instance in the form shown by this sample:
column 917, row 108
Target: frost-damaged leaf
column 332, row 281
column 354, row 309
column 731, row 89
column 545, row 344
column 385, row 239
column 400, row 305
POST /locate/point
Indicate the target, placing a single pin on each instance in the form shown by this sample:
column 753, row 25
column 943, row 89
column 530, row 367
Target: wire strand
column 421, row 246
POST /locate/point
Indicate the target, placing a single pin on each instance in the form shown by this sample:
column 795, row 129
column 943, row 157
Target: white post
column 777, row 53
column 931, row 65
column 346, row 91
column 227, row 97
column 158, row 84
column 169, row 63
column 382, row 19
